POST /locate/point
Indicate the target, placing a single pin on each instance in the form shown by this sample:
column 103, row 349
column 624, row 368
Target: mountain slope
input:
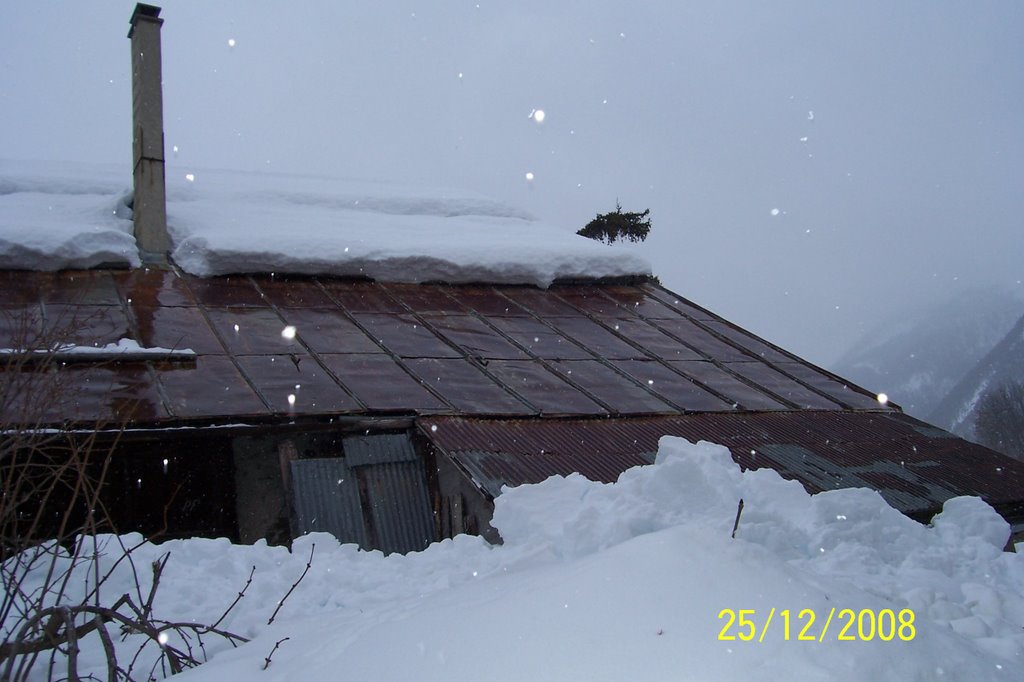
column 920, row 357
column 1005, row 362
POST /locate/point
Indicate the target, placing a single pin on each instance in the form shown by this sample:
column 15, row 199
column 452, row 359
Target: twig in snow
column 266, row 661
column 309, row 564
column 736, row 524
column 237, row 599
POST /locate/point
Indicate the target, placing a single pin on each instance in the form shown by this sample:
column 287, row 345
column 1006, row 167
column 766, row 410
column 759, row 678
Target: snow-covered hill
column 919, row 357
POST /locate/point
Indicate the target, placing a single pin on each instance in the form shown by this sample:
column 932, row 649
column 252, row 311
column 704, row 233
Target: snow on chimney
column 149, row 209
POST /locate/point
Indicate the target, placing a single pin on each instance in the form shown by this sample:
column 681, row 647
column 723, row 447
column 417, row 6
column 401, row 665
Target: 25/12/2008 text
column 850, row 625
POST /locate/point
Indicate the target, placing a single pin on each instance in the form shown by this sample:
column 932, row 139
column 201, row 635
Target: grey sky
column 906, row 189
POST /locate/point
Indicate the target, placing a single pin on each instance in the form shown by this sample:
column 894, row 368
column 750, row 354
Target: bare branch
column 309, row 564
column 237, row 599
column 266, row 661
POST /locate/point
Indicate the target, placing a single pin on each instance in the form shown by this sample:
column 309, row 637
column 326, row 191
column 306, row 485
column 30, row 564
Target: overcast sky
column 811, row 167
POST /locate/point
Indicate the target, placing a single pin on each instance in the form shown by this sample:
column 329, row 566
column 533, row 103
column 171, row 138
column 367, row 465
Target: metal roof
column 916, row 467
column 369, row 348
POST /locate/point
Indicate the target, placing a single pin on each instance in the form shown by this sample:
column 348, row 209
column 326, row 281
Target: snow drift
column 621, row 581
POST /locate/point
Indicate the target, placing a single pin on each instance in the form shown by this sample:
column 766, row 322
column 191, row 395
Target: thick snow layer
column 222, row 223
column 54, row 217
column 620, row 581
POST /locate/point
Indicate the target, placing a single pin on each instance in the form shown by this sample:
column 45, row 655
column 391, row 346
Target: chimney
column 149, row 209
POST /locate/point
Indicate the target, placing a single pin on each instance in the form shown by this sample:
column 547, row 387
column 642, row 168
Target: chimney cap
column 142, row 10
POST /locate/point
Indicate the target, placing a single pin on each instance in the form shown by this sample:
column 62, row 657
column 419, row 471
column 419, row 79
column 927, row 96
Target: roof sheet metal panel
column 540, row 302
column 658, row 344
column 248, row 331
column 597, row 338
column 381, row 384
column 589, row 300
column 677, row 389
column 487, row 301
column 81, row 393
column 622, row 394
column 542, row 388
column 325, row 497
column 361, row 297
column 295, row 384
column 153, row 287
column 781, row 385
column 405, row 336
column 677, row 303
column 709, row 344
column 539, row 339
column 467, row 388
column 843, row 391
column 474, row 337
column 425, row 299
column 719, row 380
column 225, row 292
column 492, row 471
column 329, row 332
column 294, row 292
column 20, row 326
column 914, row 468
column 214, row 387
column 84, row 325
column 175, row 328
column 77, row 287
column 564, row 438
column 638, row 301
column 752, row 344
column 619, row 324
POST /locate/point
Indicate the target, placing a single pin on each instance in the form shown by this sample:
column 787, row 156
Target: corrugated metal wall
column 325, row 497
column 375, row 496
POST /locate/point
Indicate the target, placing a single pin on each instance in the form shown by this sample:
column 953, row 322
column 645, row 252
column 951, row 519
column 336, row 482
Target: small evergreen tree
column 609, row 227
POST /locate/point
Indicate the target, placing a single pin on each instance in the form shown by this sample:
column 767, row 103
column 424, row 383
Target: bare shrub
column 55, row 564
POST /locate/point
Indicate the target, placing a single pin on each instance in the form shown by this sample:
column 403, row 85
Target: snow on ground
column 624, row 581
column 59, row 216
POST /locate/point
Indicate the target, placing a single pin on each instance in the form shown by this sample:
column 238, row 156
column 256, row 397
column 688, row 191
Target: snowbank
column 623, row 581
column 54, row 217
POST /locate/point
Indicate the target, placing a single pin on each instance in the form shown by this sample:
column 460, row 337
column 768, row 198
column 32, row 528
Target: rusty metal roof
column 365, row 348
column 915, row 466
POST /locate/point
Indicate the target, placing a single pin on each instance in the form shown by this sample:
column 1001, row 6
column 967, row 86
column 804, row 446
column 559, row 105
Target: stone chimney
column 149, row 209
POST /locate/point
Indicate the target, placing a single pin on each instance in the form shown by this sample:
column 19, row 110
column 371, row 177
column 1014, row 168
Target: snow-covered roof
column 55, row 216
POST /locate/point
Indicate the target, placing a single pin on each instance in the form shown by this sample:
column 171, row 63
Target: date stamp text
column 806, row 625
